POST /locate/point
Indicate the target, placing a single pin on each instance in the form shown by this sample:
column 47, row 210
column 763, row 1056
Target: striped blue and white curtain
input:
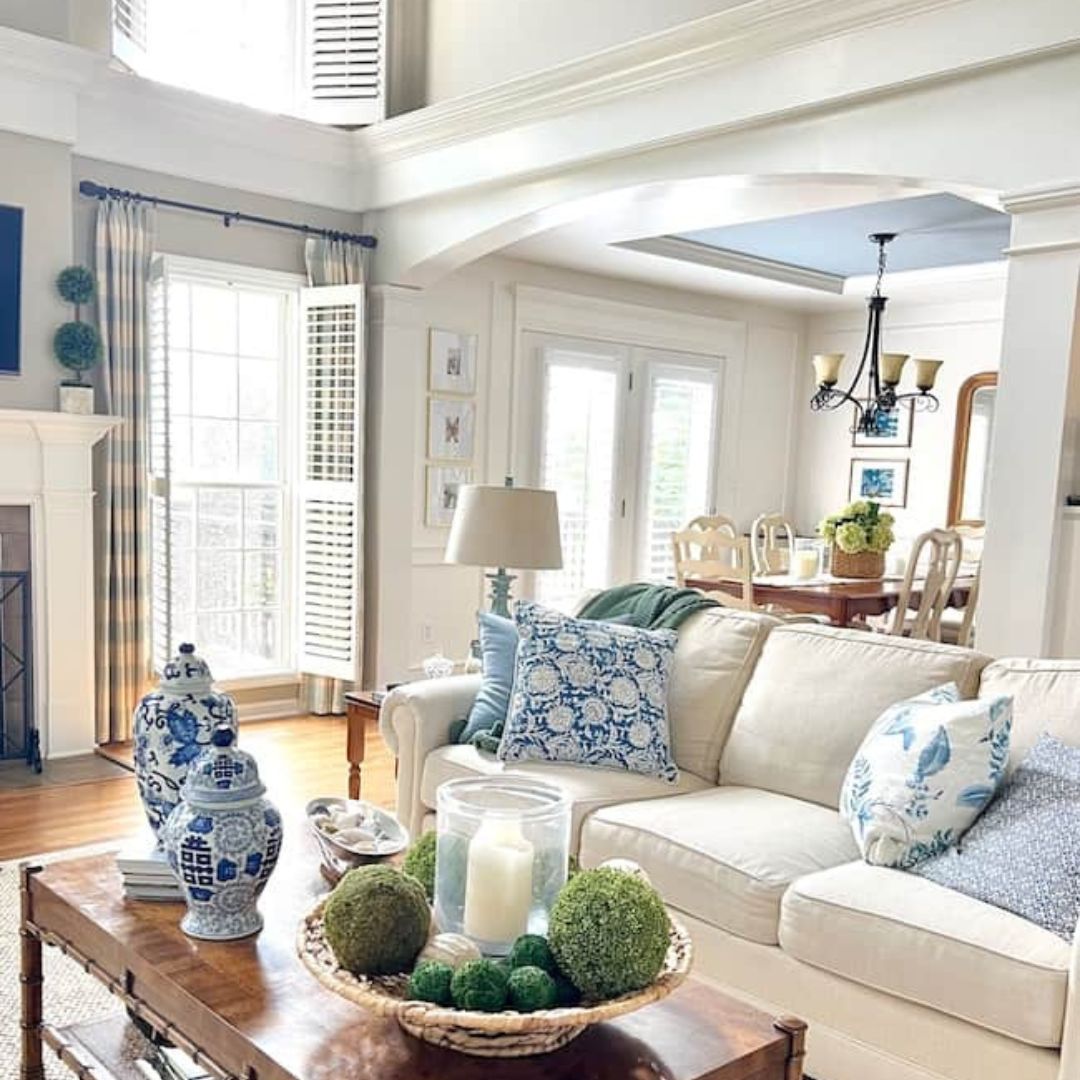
column 124, row 240
column 329, row 262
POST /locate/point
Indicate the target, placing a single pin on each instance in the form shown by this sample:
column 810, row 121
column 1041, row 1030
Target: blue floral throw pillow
column 590, row 693
column 924, row 773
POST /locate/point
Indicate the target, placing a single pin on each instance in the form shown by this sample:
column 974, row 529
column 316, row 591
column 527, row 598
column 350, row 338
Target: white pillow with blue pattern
column 590, row 693
column 924, row 773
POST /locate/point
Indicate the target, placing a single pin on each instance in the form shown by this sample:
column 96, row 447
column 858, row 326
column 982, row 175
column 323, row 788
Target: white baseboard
column 273, row 709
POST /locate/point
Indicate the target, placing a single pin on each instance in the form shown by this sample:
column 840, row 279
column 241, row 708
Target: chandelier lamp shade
column 880, row 395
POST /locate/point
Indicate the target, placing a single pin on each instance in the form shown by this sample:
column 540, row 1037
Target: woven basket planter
column 501, row 1034
column 863, row 564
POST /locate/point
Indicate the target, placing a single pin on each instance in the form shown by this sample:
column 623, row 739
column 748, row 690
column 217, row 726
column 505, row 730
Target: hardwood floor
column 299, row 758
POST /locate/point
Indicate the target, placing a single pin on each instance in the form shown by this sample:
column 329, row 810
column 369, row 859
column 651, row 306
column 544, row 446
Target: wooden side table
column 360, row 707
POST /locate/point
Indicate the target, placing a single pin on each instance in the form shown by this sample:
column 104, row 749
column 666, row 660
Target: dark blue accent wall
column 11, row 227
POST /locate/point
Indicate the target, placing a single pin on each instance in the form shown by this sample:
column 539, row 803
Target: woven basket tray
column 863, row 564
column 502, row 1034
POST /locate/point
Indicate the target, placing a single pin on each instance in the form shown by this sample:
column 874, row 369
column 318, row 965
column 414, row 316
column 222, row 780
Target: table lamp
column 501, row 527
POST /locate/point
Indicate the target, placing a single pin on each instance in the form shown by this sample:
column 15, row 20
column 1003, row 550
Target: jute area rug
column 71, row 996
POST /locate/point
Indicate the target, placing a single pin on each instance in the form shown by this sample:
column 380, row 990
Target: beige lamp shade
column 926, row 374
column 827, row 368
column 892, row 364
column 505, row 527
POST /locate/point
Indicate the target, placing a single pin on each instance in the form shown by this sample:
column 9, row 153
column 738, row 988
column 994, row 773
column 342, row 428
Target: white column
column 1033, row 459
column 397, row 352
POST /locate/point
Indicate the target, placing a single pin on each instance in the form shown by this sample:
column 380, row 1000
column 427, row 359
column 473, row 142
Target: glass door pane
column 677, row 466
column 581, row 399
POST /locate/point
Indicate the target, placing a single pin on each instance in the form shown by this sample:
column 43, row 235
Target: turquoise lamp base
column 500, row 592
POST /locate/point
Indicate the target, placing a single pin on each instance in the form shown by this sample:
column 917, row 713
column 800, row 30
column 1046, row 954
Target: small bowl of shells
column 351, row 832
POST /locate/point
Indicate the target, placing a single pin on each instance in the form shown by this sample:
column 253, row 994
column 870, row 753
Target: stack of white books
column 145, row 871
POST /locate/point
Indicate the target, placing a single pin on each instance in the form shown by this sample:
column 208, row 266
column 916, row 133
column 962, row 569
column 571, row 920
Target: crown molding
column 674, row 247
column 1044, row 197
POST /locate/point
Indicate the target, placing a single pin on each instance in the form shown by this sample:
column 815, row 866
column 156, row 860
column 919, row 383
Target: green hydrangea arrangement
column 530, row 988
column 420, row 862
column 532, row 950
column 480, row 985
column 860, row 526
column 430, row 981
column 608, row 931
column 377, row 920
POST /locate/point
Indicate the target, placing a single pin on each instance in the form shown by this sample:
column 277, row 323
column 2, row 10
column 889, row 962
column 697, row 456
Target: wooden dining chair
column 719, row 558
column 958, row 625
column 935, row 559
column 772, row 541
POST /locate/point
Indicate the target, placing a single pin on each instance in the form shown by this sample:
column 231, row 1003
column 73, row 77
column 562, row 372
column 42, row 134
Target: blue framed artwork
column 879, row 480
column 11, row 228
column 892, row 429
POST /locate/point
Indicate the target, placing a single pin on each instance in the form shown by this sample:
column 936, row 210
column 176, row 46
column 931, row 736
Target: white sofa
column 898, row 977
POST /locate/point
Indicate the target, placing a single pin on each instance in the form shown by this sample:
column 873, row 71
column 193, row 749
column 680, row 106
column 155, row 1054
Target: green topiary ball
column 377, row 920
column 431, row 982
column 480, row 985
column 532, row 950
column 566, row 993
column 77, row 345
column 420, row 862
column 75, row 285
column 609, row 933
column 531, row 988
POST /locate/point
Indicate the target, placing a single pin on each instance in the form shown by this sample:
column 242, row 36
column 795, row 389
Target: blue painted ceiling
column 932, row 230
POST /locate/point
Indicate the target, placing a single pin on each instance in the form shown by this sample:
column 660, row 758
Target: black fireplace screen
column 18, row 734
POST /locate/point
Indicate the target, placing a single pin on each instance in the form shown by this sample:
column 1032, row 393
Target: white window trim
column 218, row 272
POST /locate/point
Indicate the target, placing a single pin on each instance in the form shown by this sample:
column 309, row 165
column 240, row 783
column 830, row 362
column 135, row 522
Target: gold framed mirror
column 971, row 449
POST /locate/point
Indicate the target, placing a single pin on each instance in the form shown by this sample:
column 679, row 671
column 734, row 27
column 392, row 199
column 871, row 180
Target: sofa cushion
column 724, row 855
column 714, row 658
column 1046, row 699
column 813, row 696
column 587, row 787
column 919, row 941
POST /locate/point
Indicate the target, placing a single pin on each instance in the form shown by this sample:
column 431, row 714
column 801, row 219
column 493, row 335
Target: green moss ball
column 420, row 862
column 531, row 988
column 431, row 982
column 566, row 993
column 532, row 950
column 609, row 933
column 480, row 985
column 377, row 920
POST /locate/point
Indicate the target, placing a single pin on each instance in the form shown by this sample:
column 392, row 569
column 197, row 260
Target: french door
column 627, row 437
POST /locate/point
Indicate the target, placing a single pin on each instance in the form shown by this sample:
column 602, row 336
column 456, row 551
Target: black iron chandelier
column 880, row 400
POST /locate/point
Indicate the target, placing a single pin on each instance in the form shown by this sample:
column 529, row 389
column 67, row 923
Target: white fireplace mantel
column 46, row 464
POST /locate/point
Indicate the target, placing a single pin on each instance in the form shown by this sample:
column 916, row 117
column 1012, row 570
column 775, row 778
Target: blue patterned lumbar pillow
column 924, row 773
column 1023, row 854
column 590, row 693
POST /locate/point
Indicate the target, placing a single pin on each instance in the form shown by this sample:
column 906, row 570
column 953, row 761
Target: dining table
column 842, row 600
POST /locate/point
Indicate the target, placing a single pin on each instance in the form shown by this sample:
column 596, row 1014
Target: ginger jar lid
column 186, row 673
column 222, row 775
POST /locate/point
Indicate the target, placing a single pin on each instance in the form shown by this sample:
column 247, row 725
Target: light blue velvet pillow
column 590, row 693
column 498, row 649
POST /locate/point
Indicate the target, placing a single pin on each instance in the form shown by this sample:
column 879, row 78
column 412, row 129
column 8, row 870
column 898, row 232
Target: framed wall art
column 452, row 362
column 882, row 480
column 451, row 429
column 892, row 429
column 11, row 231
column 443, row 483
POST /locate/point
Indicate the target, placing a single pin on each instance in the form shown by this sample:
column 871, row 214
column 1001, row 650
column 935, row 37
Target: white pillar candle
column 805, row 564
column 498, row 883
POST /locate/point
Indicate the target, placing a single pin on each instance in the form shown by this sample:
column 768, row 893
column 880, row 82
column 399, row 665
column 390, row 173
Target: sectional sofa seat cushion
column 715, row 655
column 590, row 693
column 924, row 773
column 587, row 788
column 1046, row 699
column 1023, row 854
column 815, row 693
column 919, row 941
column 725, row 855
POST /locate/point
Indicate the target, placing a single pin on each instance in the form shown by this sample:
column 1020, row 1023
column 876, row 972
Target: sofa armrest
column 414, row 720
column 1070, row 1035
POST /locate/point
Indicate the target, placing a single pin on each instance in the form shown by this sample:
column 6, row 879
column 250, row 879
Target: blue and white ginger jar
column 223, row 841
column 173, row 725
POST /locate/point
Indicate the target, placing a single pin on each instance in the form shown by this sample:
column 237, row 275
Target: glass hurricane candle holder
column 502, row 858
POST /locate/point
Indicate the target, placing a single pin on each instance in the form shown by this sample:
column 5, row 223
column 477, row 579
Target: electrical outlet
column 427, row 633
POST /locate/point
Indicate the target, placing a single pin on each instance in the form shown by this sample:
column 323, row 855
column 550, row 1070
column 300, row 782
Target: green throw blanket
column 651, row 607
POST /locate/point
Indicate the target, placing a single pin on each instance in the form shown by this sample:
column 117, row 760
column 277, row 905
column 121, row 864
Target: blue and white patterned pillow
column 590, row 693
column 924, row 773
column 1023, row 854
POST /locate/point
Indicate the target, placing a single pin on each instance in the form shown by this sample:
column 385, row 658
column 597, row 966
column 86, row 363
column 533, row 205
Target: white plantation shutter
column 129, row 32
column 159, row 461
column 344, row 47
column 330, row 492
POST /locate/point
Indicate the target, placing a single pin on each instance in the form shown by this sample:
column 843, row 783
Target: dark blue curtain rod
column 228, row 217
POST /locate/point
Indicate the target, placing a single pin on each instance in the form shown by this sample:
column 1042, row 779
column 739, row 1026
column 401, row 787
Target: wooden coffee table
column 249, row 1010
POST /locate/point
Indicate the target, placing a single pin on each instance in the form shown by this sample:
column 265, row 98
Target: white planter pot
column 77, row 399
